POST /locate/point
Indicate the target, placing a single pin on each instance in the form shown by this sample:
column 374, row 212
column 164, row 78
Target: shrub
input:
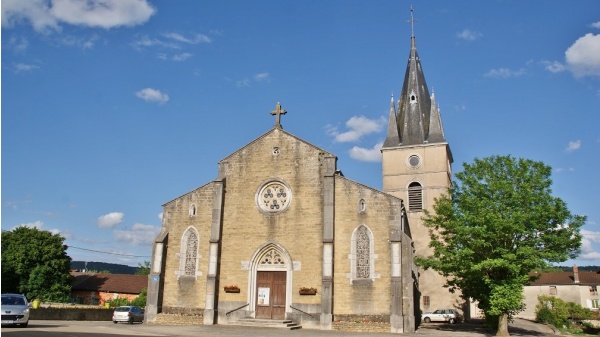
column 140, row 301
column 559, row 313
column 117, row 302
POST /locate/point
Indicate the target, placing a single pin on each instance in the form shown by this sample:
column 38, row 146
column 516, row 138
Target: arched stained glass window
column 191, row 253
column 363, row 253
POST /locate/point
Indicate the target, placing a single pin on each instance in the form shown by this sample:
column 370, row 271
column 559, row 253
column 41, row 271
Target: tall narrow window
column 415, row 197
column 363, row 253
column 362, row 256
column 188, row 255
column 191, row 253
column 192, row 210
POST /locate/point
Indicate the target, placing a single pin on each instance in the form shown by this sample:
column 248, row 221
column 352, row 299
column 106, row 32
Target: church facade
column 282, row 234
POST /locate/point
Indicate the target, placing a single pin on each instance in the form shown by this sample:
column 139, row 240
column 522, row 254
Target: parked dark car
column 129, row 314
column 15, row 310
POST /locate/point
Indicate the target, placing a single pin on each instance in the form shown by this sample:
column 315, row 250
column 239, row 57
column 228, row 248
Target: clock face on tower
column 273, row 197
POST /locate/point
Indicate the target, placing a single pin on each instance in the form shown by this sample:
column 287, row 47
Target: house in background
column 576, row 286
column 97, row 289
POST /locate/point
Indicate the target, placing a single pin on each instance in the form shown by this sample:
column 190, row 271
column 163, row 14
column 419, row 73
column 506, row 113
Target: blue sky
column 111, row 110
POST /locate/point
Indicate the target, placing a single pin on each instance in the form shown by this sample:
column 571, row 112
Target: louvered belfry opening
column 415, row 197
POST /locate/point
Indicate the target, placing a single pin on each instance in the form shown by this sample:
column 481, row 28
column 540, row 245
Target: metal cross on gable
column 278, row 112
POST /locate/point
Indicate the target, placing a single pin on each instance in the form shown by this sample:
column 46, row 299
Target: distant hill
column 581, row 268
column 113, row 268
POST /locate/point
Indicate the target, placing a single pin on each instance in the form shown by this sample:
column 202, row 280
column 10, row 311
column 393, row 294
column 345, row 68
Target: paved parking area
column 97, row 329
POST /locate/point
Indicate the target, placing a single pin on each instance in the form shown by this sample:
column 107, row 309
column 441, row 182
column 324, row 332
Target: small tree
column 140, row 301
column 498, row 223
column 35, row 263
column 143, row 269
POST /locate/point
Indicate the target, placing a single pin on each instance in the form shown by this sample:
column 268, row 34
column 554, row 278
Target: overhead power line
column 109, row 253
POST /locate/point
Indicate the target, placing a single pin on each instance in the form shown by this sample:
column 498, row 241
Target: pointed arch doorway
column 271, row 276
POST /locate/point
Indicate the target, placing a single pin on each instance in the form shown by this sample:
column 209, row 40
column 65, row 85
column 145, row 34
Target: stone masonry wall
column 285, row 158
column 362, row 297
column 182, row 290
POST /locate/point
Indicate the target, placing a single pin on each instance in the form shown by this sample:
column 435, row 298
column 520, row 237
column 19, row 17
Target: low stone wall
column 362, row 327
column 71, row 314
column 178, row 319
column 361, row 323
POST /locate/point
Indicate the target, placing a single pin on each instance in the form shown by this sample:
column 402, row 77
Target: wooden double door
column 270, row 294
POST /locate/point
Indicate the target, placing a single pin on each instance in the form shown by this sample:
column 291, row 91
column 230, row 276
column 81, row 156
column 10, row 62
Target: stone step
column 268, row 323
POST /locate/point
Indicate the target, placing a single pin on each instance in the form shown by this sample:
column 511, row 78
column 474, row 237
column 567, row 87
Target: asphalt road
column 98, row 329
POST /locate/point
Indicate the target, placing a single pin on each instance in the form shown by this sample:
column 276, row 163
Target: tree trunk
column 503, row 325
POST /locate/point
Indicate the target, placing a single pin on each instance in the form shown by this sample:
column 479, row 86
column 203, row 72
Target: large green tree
column 498, row 223
column 35, row 263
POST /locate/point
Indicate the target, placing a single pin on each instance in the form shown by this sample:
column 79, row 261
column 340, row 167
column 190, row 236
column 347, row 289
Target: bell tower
column 416, row 167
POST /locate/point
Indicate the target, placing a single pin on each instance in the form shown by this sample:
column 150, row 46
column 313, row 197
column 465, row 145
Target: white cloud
column 561, row 169
column 573, row 146
column 262, row 77
column 18, row 44
column 39, row 224
column 460, row 107
column 468, row 35
column 36, row 224
column 504, row 73
column 554, row 66
column 359, row 126
column 19, row 67
column 44, row 15
column 102, row 13
column 84, row 43
column 246, row 82
column 171, row 40
column 110, row 220
column 595, row 25
column 583, row 57
column 242, row 83
column 35, row 11
column 588, row 251
column 370, row 155
column 152, row 95
column 198, row 38
column 181, row 57
column 146, row 41
column 139, row 234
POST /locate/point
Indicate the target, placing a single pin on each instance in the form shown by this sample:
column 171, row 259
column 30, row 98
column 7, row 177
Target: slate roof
column 418, row 120
column 567, row 278
column 110, row 283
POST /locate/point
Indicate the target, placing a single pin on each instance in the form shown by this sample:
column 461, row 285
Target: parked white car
column 129, row 314
column 441, row 315
column 15, row 310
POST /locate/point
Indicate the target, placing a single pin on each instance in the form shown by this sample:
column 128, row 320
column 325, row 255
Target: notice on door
column 263, row 296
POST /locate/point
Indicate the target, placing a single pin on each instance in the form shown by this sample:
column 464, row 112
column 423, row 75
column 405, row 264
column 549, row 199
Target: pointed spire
column 436, row 129
column 417, row 120
column 392, row 139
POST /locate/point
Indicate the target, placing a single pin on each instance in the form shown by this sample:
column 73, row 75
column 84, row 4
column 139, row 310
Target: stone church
column 280, row 233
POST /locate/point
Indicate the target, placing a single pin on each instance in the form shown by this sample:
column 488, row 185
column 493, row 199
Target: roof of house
column 110, row 283
column 566, row 278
